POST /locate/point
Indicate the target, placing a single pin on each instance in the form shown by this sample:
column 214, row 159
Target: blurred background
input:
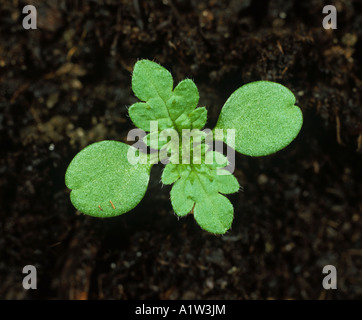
column 67, row 84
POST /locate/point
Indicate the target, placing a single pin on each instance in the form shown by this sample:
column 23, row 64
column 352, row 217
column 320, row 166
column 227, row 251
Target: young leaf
column 175, row 109
column 200, row 187
column 181, row 201
column 184, row 99
column 198, row 118
column 264, row 117
column 150, row 80
column 170, row 174
column 214, row 213
column 103, row 182
column 142, row 113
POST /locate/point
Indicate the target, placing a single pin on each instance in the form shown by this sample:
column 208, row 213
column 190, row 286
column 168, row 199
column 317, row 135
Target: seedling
column 106, row 180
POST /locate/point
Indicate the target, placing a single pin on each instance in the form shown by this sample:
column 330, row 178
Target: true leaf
column 181, row 201
column 150, row 80
column 175, row 109
column 264, row 117
column 103, row 182
column 170, row 174
column 200, row 187
column 198, row 118
column 214, row 214
column 142, row 113
column 184, row 99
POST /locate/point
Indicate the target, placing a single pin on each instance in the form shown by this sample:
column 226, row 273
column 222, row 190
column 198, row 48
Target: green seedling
column 105, row 183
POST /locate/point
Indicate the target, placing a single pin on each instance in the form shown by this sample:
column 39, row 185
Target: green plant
column 105, row 183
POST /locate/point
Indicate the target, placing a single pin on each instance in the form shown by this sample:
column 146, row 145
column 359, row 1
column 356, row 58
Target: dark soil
column 67, row 84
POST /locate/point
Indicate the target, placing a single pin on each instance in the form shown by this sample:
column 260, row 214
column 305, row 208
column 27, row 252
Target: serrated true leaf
column 150, row 80
column 103, row 182
column 170, row 173
column 226, row 183
column 264, row 117
column 200, row 187
column 175, row 109
column 213, row 211
column 198, row 118
column 141, row 113
column 181, row 201
column 184, row 99
column 214, row 214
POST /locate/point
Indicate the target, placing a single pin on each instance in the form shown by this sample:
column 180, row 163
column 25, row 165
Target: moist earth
column 67, row 84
